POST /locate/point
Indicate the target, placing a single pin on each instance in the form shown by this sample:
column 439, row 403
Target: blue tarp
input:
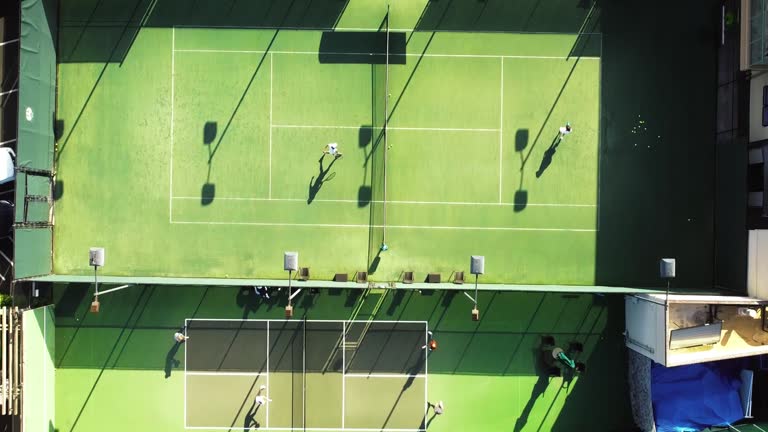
column 694, row 397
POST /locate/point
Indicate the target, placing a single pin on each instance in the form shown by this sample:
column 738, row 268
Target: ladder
column 38, row 197
column 365, row 310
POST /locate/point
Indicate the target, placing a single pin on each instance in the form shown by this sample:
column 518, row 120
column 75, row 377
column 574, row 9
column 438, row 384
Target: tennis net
column 386, row 134
column 379, row 144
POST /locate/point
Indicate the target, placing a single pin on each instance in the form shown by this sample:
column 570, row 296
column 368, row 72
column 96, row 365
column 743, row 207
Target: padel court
column 316, row 375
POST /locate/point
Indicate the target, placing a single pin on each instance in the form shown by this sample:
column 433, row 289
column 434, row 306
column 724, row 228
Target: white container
column 744, row 311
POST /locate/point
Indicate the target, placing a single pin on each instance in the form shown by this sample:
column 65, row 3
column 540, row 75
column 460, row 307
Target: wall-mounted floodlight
column 96, row 260
column 290, row 264
column 667, row 271
column 476, row 267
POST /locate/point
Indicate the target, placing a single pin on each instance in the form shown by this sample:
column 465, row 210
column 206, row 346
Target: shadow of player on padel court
column 170, row 359
column 316, row 182
column 250, row 422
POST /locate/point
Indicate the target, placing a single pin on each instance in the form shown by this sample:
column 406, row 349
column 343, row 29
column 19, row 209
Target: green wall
column 38, row 340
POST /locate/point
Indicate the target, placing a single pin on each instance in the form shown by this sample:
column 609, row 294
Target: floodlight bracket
column 121, row 287
column 291, row 296
column 472, row 299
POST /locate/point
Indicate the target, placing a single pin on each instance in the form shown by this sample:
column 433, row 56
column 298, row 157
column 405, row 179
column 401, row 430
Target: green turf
column 111, row 368
column 38, row 366
column 215, row 155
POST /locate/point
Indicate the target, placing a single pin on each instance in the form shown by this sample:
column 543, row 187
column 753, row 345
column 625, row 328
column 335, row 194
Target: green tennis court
column 206, row 143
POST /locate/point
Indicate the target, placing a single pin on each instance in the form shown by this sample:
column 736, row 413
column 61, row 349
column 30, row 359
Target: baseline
column 457, row 203
column 314, row 53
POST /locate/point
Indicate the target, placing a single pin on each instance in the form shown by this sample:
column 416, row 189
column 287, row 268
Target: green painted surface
column 121, row 367
column 38, row 384
column 220, row 154
column 120, row 87
column 36, row 84
column 33, row 255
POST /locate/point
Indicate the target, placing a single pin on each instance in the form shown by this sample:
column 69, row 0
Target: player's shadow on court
column 425, row 422
column 170, row 359
column 250, row 418
column 539, row 388
column 316, row 182
column 546, row 161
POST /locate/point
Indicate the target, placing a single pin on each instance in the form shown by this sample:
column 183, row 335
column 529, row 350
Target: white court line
column 366, row 29
column 271, row 62
column 304, row 375
column 8, row 42
column 307, row 429
column 309, row 321
column 314, row 53
column 268, row 390
column 186, row 321
column 173, row 73
column 442, row 129
column 318, row 29
column 228, row 373
column 375, row 375
column 388, row 128
column 600, row 135
column 459, row 203
column 426, row 370
column 343, row 371
column 45, row 375
column 501, row 130
column 366, row 226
